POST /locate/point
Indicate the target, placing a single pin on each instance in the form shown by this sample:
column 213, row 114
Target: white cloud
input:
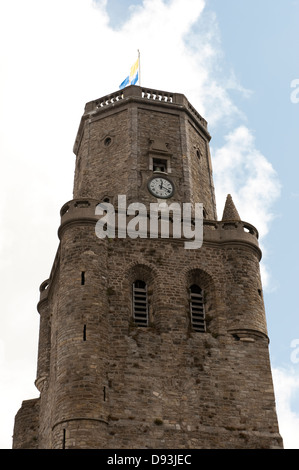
column 241, row 170
column 56, row 56
column 286, row 385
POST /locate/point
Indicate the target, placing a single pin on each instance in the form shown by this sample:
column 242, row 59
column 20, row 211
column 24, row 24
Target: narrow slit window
column 63, row 438
column 104, row 393
column 84, row 333
column 140, row 303
column 82, row 278
column 197, row 310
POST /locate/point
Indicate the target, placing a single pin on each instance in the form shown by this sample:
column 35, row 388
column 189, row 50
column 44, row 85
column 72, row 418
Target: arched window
column 197, row 311
column 140, row 303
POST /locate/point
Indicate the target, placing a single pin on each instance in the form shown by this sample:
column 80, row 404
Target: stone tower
column 144, row 343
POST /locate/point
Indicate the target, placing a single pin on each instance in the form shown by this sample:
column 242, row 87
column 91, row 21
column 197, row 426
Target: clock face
column 160, row 187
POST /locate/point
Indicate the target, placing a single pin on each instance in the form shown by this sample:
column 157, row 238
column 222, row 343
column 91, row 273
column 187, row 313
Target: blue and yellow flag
column 131, row 79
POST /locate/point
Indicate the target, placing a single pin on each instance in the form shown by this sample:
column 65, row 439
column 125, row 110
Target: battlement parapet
column 84, row 210
column 142, row 95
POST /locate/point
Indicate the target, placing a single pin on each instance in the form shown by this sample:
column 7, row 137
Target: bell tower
column 144, row 343
column 119, row 148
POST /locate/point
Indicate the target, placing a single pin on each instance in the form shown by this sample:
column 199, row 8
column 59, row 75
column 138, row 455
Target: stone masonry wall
column 186, row 383
column 26, row 425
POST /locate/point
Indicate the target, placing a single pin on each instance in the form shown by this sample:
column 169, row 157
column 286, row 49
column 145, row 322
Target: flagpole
column 139, row 72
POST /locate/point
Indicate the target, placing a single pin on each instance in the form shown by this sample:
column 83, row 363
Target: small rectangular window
column 197, row 310
column 140, row 303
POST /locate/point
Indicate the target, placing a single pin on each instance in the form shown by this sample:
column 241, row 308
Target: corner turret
column 230, row 212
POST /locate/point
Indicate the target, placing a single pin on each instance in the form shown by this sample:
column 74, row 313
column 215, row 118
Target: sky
column 236, row 62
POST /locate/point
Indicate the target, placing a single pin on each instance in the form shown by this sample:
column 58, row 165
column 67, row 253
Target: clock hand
column 164, row 187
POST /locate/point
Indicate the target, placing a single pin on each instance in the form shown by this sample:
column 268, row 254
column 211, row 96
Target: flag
column 133, row 78
column 124, row 83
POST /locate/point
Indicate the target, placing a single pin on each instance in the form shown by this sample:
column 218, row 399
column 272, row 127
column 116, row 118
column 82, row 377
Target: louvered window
column 140, row 303
column 197, row 309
